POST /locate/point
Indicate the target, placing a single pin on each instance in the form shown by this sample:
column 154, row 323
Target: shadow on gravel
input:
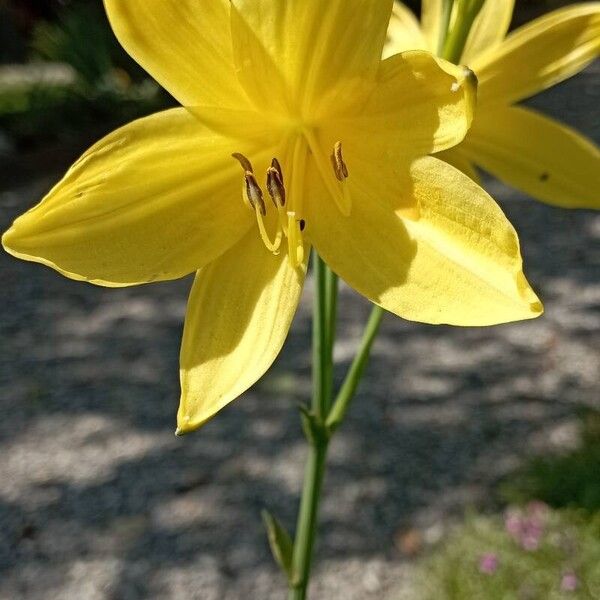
column 92, row 473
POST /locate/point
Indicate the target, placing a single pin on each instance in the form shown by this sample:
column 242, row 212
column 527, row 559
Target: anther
column 246, row 164
column 275, row 187
column 302, row 224
column 275, row 164
column 337, row 160
column 254, row 193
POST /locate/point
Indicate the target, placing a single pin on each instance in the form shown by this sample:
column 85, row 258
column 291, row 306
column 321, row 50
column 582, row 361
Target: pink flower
column 488, row 563
column 527, row 529
column 569, row 582
column 513, row 524
column 531, row 535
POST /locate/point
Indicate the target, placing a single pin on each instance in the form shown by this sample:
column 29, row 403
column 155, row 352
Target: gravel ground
column 99, row 500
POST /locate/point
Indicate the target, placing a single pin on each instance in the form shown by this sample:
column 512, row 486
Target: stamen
column 275, row 164
column 246, row 164
column 275, row 186
column 271, row 246
column 286, row 223
column 337, row 160
column 336, row 184
column 254, row 193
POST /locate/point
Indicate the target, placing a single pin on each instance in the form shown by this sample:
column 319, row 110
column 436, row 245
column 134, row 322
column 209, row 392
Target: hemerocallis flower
column 529, row 151
column 329, row 148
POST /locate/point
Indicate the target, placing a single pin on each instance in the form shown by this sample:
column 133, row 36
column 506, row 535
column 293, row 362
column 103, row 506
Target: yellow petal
column 322, row 53
column 404, row 32
column 154, row 200
column 489, row 28
column 184, row 44
column 431, row 22
column 539, row 55
column 537, row 155
column 421, row 104
column 239, row 313
column 457, row 262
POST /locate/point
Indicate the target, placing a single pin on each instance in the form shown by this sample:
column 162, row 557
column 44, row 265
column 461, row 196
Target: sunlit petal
column 309, row 52
column 154, row 200
column 489, row 28
column 539, row 55
column 421, row 104
column 455, row 260
column 431, row 22
column 537, row 155
column 404, row 32
column 239, row 313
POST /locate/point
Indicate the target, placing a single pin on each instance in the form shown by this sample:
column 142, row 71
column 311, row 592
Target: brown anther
column 254, row 193
column 275, row 164
column 337, row 160
column 302, row 224
column 246, row 164
column 275, row 186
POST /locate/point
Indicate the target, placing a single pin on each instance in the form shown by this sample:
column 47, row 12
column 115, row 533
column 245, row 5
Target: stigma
column 286, row 221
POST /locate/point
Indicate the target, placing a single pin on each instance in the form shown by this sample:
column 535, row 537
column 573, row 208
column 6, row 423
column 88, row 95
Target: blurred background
column 469, row 467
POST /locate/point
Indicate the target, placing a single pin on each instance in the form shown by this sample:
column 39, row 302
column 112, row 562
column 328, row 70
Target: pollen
column 254, row 193
column 275, row 186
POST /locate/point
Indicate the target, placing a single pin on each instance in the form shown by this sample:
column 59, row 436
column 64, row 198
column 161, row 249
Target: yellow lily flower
column 531, row 152
column 324, row 154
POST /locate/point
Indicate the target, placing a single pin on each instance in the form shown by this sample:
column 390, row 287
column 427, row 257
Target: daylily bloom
column 329, row 148
column 531, row 152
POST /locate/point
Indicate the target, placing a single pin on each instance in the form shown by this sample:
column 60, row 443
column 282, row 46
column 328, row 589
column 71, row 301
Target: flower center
column 287, row 197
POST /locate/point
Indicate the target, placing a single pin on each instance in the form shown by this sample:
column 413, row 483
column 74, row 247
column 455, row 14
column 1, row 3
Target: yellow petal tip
column 185, row 425
column 536, row 308
column 6, row 240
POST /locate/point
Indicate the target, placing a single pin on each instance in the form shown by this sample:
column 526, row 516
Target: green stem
column 444, row 24
column 316, row 421
column 331, row 298
column 306, row 529
column 346, row 393
column 319, row 338
column 324, row 306
column 456, row 38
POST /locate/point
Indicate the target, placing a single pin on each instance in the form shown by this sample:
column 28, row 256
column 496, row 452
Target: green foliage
column 99, row 87
column 571, row 480
column 280, row 543
column 83, row 39
column 569, row 547
column 534, row 550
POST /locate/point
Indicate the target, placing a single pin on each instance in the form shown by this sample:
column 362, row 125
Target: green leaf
column 281, row 543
